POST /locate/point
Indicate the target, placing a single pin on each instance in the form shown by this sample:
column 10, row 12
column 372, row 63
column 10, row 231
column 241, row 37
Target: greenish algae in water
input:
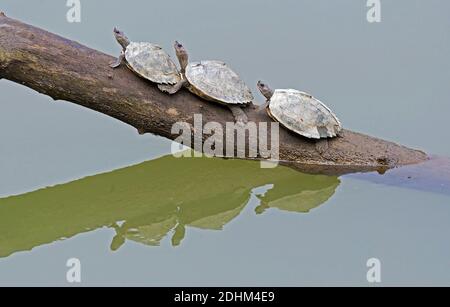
column 145, row 202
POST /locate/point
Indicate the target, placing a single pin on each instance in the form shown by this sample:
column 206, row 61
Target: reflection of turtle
column 213, row 81
column 291, row 196
column 226, row 208
column 150, row 234
column 147, row 60
column 300, row 112
column 140, row 203
column 151, row 230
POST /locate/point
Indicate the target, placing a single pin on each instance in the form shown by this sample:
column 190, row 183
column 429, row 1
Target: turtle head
column 265, row 89
column 121, row 38
column 182, row 55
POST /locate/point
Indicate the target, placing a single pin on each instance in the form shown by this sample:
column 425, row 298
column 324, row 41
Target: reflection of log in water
column 153, row 199
column 430, row 176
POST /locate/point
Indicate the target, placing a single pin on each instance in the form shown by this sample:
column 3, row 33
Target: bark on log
column 66, row 70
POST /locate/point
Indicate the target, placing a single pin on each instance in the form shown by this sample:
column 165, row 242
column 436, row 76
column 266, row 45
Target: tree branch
column 66, row 70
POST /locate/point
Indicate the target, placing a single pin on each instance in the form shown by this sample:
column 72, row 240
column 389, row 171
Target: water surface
column 75, row 183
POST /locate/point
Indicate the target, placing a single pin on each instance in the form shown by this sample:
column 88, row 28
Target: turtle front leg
column 172, row 89
column 120, row 60
column 239, row 115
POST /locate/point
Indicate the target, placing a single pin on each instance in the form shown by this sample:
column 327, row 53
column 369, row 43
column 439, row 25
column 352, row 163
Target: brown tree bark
column 66, row 70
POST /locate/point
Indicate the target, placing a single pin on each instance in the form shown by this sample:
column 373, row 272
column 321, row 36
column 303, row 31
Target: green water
column 75, row 183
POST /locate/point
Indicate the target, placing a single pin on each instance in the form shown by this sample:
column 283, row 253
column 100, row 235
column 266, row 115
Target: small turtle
column 213, row 81
column 300, row 112
column 147, row 60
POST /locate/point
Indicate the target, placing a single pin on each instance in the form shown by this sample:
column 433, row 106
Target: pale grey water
column 388, row 79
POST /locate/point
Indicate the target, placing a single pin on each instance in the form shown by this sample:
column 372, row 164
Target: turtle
column 147, row 60
column 213, row 81
column 300, row 112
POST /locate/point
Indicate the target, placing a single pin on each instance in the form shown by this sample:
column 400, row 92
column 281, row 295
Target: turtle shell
column 303, row 114
column 214, row 80
column 151, row 62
